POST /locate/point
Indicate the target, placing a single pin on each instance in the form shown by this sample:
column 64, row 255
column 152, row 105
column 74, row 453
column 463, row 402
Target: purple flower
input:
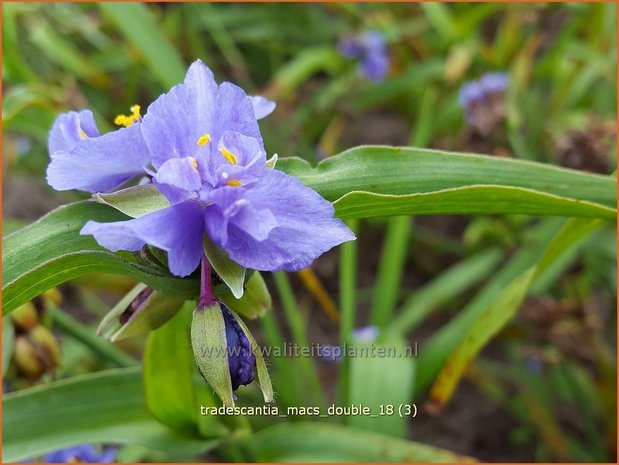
column 494, row 82
column 371, row 51
column 85, row 453
column 474, row 94
column 202, row 147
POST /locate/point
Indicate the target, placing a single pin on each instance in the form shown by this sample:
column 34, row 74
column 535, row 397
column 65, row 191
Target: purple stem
column 207, row 296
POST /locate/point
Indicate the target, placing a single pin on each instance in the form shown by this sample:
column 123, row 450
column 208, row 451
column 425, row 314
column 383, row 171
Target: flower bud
column 241, row 359
column 26, row 358
column 223, row 352
column 49, row 352
column 25, row 317
column 140, row 311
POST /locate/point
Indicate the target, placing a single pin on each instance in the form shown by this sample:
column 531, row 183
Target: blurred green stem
column 88, row 337
column 299, row 334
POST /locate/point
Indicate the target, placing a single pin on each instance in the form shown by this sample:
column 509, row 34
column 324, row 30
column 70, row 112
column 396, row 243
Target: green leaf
column 488, row 324
column 168, row 373
column 393, row 171
column 256, row 300
column 137, row 24
column 66, row 413
column 444, row 287
column 8, row 339
column 135, row 201
column 210, row 350
column 472, row 200
column 51, row 251
column 377, row 380
column 312, row 442
column 229, row 271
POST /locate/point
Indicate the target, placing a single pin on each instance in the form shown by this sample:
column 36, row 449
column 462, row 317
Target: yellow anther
column 205, row 139
column 194, row 163
column 234, row 183
column 124, row 120
column 228, row 156
column 82, row 134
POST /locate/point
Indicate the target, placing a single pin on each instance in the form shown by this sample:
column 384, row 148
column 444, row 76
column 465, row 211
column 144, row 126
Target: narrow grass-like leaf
column 392, row 260
column 137, row 24
column 313, row 442
column 53, row 416
column 51, row 251
column 445, row 286
column 377, row 381
column 488, row 324
column 408, row 170
column 8, row 339
column 470, row 200
column 299, row 334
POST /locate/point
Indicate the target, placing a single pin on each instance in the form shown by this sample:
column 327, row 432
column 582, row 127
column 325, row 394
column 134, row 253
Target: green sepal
column 208, row 340
column 264, row 380
column 135, row 201
column 157, row 309
column 230, row 272
column 271, row 162
column 256, row 300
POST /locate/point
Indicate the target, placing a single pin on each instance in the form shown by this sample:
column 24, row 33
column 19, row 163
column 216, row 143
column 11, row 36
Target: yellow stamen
column 205, row 139
column 234, row 183
column 82, row 134
column 229, row 156
column 194, row 163
column 124, row 120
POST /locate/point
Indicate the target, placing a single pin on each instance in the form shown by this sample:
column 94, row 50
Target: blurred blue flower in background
column 85, row 453
column 370, row 49
column 483, row 99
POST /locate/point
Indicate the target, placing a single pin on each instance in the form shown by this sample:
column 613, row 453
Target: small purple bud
column 241, row 359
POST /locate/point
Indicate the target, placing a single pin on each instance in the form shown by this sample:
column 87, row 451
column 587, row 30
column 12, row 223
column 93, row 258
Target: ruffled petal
column 175, row 121
column 262, row 106
column 181, row 173
column 230, row 209
column 71, row 128
column 99, row 164
column 305, row 227
column 177, row 230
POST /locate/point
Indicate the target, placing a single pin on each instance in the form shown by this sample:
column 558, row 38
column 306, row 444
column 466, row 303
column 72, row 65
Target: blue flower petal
column 99, row 164
column 71, row 128
column 181, row 173
column 262, row 106
column 174, row 122
column 305, row 228
column 177, row 230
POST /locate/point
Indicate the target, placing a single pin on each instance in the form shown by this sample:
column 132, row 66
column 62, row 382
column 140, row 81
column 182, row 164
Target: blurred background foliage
column 543, row 390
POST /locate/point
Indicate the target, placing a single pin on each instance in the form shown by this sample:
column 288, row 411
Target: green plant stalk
column 286, row 379
column 390, row 270
column 348, row 283
column 88, row 337
column 348, row 303
column 297, row 327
